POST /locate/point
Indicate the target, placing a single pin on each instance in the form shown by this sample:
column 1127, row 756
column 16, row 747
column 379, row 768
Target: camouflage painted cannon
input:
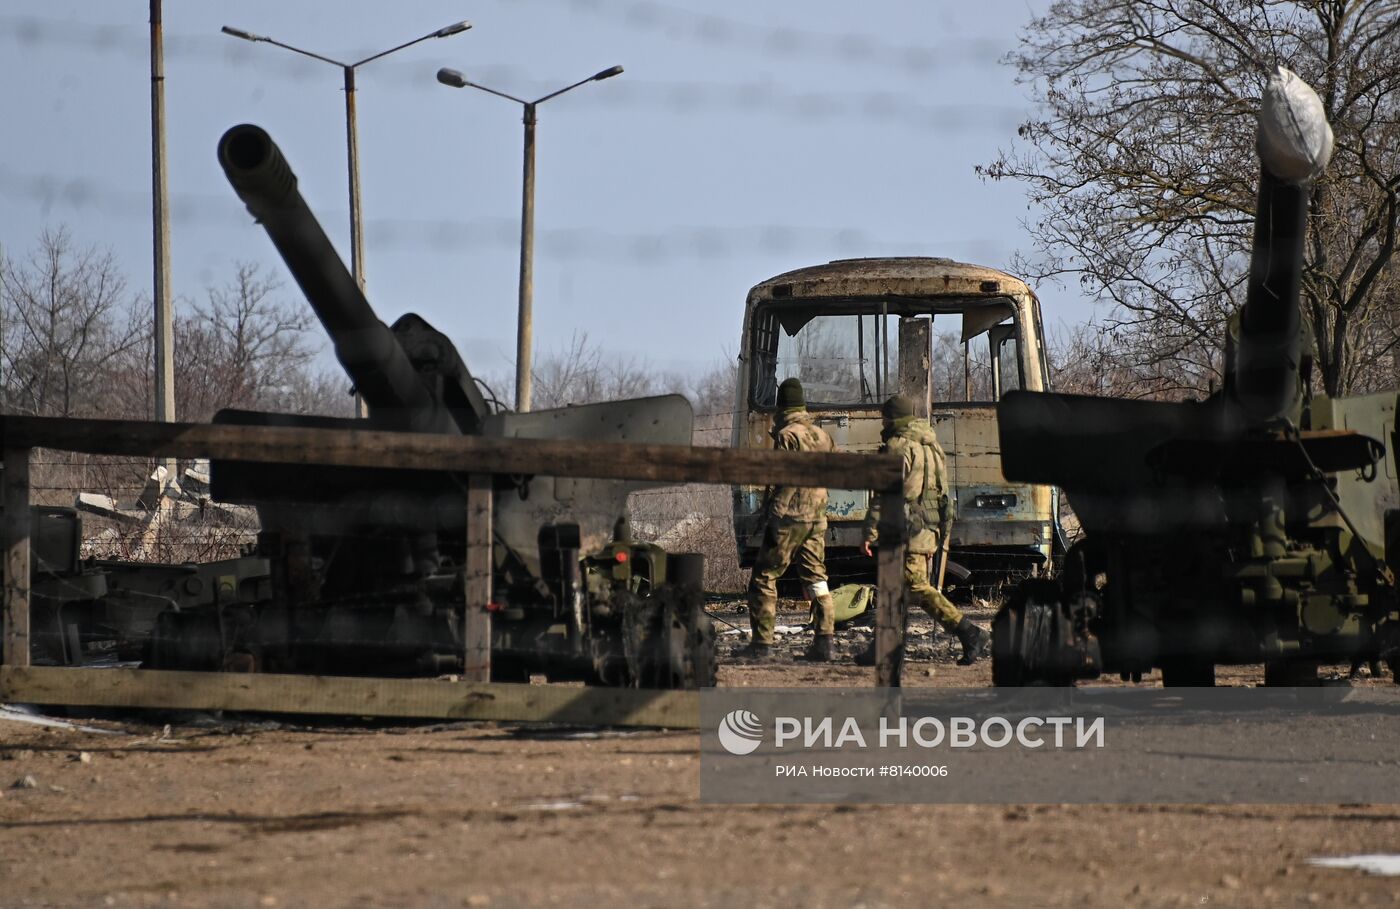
column 1260, row 525
column 366, row 567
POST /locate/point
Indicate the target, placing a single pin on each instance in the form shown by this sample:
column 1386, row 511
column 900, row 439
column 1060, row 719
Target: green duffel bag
column 852, row 601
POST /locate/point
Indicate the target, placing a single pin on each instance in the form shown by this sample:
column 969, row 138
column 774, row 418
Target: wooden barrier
column 475, row 456
column 461, row 454
column 313, row 694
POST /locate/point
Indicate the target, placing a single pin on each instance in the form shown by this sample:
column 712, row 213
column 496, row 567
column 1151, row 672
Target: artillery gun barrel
column 1270, row 355
column 364, row 345
column 1294, row 142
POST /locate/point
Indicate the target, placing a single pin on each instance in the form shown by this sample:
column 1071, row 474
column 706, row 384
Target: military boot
column 823, row 614
column 820, row 651
column 975, row 642
column 757, row 651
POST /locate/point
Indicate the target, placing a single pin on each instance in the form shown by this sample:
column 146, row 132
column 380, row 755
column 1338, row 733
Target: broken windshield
column 852, row 359
column 841, row 359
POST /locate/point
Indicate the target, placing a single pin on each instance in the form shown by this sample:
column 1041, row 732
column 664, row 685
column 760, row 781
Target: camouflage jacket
column 798, row 431
column 926, row 500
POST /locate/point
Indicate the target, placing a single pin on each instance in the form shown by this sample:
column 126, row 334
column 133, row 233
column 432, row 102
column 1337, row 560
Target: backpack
column 931, row 510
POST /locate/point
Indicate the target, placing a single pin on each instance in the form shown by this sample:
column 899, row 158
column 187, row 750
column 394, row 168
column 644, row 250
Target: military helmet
column 897, row 406
column 790, row 395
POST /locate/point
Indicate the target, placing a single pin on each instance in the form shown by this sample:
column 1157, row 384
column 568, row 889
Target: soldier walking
column 929, row 514
column 794, row 527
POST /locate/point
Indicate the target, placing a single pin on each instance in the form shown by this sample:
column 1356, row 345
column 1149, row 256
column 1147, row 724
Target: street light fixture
column 524, row 325
column 351, row 134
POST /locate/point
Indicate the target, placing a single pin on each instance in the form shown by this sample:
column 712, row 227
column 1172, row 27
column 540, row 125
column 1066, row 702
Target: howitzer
column 363, row 570
column 410, row 376
column 1256, row 526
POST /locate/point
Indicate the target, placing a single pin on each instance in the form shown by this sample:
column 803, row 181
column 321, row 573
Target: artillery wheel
column 669, row 641
column 1084, row 565
column 1021, row 637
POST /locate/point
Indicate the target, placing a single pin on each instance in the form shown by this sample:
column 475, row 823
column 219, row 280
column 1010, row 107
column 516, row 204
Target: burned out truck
column 362, row 571
column 954, row 337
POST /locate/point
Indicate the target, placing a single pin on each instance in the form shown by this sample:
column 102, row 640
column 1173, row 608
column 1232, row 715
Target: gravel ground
column 233, row 812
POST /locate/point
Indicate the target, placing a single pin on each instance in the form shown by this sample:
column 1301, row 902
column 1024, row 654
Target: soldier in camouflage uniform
column 929, row 514
column 794, row 527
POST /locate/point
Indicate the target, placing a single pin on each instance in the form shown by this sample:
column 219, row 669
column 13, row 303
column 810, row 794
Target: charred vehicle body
column 953, row 337
column 1261, row 525
column 361, row 571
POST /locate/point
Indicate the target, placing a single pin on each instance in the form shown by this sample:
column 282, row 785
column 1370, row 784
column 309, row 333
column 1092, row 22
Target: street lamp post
column 524, row 324
column 352, row 140
column 164, row 336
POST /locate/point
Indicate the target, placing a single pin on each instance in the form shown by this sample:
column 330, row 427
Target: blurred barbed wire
column 757, row 96
column 843, row 48
column 82, row 194
column 674, row 23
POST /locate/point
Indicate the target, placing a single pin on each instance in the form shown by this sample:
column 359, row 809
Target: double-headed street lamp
column 351, row 135
column 527, row 219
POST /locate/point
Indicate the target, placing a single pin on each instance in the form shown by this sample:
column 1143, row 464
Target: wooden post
column 915, row 361
column 476, row 623
column 14, row 537
column 890, row 608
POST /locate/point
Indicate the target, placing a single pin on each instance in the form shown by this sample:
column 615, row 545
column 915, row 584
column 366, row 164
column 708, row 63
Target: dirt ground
column 239, row 811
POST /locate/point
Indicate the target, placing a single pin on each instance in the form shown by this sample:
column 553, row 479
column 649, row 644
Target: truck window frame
column 767, row 330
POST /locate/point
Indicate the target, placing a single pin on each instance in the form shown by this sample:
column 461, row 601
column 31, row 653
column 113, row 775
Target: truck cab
column 954, row 337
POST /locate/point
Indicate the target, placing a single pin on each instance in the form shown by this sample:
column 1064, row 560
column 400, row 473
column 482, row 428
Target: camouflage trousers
column 928, row 597
column 784, row 541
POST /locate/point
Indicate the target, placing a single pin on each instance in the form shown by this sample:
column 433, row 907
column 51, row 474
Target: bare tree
column 958, row 372
column 714, row 392
column 326, row 392
column 67, row 321
column 1085, row 359
column 256, row 346
column 1143, row 162
column 245, row 346
column 584, row 373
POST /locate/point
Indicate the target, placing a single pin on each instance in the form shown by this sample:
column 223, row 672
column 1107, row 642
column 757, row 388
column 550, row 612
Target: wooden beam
column 476, row 623
column 305, row 694
column 15, row 531
column 891, row 610
column 465, row 454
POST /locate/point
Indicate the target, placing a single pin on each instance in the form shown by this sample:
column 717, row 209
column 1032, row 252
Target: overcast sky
column 743, row 140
